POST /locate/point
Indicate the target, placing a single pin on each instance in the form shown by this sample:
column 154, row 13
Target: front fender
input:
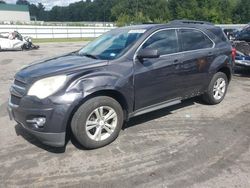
column 97, row 82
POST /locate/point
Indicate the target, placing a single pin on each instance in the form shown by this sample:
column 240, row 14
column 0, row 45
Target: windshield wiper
column 90, row 55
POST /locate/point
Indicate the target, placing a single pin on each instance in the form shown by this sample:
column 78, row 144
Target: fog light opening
column 37, row 122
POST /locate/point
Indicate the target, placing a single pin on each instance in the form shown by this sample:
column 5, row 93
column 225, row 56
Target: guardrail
column 56, row 31
column 73, row 32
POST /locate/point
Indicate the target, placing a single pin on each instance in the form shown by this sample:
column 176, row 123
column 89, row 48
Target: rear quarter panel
column 223, row 59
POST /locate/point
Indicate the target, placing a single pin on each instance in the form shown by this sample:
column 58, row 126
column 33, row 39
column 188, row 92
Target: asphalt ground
column 188, row 145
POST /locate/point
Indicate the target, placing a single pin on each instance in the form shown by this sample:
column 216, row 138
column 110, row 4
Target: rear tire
column 217, row 89
column 97, row 122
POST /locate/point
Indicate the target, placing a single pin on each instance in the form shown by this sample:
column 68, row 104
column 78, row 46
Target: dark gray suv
column 126, row 72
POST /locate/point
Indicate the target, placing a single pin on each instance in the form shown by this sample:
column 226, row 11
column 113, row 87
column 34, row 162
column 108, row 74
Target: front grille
column 19, row 83
column 17, row 91
column 15, row 100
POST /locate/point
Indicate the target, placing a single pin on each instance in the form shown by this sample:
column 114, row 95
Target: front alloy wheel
column 97, row 122
column 101, row 123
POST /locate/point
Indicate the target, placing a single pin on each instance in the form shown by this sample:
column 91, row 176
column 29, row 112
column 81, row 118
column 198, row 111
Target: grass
column 61, row 40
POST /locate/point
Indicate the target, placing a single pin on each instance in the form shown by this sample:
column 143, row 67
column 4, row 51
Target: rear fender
column 218, row 63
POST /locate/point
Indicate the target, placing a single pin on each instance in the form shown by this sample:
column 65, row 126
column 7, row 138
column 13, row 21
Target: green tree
column 22, row 2
column 2, row 2
column 135, row 11
column 33, row 10
column 38, row 11
column 126, row 12
column 242, row 12
column 216, row 11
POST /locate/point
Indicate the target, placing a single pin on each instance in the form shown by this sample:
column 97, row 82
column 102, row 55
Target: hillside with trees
column 139, row 11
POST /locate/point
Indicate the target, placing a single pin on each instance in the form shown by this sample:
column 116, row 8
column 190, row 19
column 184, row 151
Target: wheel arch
column 108, row 93
column 221, row 64
column 118, row 96
column 226, row 71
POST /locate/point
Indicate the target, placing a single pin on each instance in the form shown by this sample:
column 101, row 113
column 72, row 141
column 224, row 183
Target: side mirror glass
column 148, row 53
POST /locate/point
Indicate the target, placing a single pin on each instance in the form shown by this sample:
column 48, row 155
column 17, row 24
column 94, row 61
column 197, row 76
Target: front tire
column 97, row 122
column 217, row 89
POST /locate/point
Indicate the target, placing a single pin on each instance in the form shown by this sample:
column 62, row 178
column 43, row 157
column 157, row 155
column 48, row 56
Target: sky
column 47, row 3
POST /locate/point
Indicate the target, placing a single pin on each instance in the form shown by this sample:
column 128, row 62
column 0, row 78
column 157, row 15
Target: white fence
column 72, row 32
column 56, row 31
column 232, row 26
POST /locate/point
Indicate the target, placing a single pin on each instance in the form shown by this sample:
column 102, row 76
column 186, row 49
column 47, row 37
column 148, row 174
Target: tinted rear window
column 193, row 40
column 219, row 33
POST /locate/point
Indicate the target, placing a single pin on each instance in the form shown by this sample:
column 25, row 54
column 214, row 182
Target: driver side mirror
column 148, row 53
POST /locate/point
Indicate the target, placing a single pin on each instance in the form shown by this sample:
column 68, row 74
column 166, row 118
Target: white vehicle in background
column 15, row 41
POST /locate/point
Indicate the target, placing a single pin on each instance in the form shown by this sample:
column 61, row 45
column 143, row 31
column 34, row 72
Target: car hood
column 58, row 65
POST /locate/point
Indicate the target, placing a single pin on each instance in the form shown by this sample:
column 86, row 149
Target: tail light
column 233, row 53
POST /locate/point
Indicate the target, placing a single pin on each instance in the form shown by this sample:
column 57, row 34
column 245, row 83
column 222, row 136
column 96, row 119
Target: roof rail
column 190, row 22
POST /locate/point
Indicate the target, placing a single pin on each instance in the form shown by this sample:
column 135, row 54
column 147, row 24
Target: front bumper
column 53, row 131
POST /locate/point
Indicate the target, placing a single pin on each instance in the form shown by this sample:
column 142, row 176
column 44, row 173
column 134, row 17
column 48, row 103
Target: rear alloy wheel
column 217, row 89
column 97, row 122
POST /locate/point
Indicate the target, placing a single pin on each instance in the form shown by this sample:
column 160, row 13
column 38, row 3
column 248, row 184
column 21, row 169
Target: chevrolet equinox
column 124, row 73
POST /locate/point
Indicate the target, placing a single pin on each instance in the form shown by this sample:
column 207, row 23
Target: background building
column 13, row 12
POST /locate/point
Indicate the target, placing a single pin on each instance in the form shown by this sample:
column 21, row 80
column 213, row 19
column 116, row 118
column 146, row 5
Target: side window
column 193, row 40
column 164, row 41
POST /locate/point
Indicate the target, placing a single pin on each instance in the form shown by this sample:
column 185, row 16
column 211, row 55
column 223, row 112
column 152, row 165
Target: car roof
column 210, row 29
column 141, row 26
column 175, row 24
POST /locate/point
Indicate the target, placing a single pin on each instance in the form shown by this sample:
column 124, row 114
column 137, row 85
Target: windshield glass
column 112, row 44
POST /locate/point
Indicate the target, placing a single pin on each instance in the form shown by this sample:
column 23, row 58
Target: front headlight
column 47, row 86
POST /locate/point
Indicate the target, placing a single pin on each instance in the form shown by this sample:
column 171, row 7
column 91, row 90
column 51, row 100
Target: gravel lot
column 188, row 145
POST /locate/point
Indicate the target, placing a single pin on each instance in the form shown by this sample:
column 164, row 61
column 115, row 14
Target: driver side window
column 164, row 41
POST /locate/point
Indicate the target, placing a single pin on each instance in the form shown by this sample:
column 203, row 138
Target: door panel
column 155, row 81
column 154, row 77
column 198, row 54
column 193, row 71
column 180, row 72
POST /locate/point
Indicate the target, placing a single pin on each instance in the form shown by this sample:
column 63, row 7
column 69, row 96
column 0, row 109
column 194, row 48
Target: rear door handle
column 210, row 54
column 176, row 61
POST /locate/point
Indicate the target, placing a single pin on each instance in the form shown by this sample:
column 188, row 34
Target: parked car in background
column 244, row 35
column 231, row 33
column 242, row 45
column 126, row 72
column 15, row 41
column 242, row 53
column 242, row 60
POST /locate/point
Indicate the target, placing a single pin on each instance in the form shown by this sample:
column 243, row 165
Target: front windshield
column 112, row 44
